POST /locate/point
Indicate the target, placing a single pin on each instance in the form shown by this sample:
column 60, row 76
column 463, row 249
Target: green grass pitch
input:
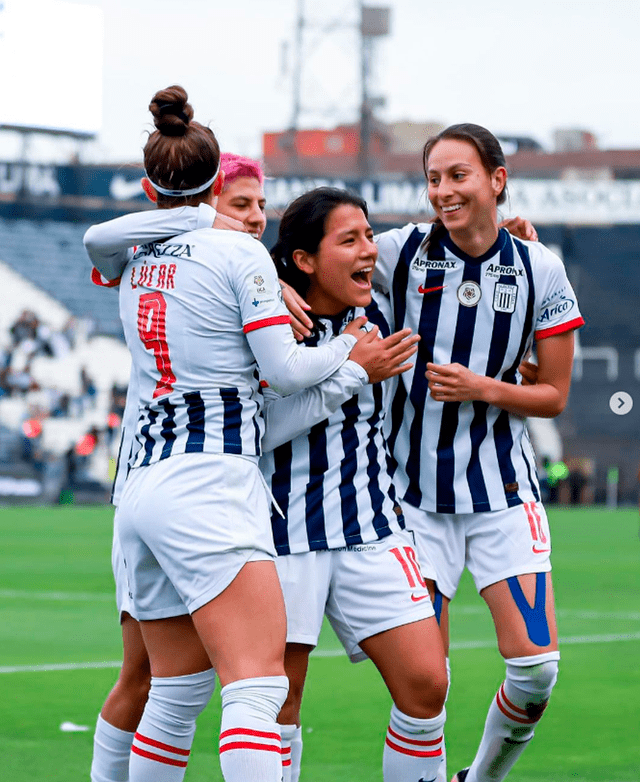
column 56, row 609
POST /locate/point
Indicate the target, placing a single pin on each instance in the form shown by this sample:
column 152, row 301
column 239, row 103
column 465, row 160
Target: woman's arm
column 546, row 399
column 107, row 244
column 371, row 360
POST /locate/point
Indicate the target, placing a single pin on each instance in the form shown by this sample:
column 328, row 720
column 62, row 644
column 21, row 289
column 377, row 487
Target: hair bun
column 171, row 111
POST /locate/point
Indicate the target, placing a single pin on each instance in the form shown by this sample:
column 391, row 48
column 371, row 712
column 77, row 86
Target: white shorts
column 363, row 590
column 123, row 597
column 187, row 525
column 493, row 545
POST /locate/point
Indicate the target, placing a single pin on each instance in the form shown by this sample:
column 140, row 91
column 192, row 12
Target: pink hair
column 235, row 166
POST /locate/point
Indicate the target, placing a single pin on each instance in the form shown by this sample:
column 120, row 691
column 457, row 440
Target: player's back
column 181, row 304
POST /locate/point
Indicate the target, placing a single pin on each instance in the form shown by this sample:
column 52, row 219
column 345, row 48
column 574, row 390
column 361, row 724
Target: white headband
column 177, row 193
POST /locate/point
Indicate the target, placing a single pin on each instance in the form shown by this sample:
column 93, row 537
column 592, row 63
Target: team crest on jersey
column 505, row 297
column 469, row 294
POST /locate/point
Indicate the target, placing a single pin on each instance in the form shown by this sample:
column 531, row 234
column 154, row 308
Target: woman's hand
column 298, row 308
column 384, row 358
column 454, row 383
column 355, row 328
column 520, row 228
column 529, row 372
column 225, row 223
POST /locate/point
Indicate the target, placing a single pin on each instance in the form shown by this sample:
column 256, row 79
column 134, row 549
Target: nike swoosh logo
column 537, row 550
column 122, row 189
column 431, row 290
column 418, row 598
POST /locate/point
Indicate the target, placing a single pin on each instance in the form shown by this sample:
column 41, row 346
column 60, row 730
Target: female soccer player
column 242, row 198
column 193, row 521
column 379, row 358
column 342, row 547
column 480, row 299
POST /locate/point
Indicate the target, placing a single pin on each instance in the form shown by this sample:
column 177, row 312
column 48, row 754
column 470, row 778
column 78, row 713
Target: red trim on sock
column 413, row 741
column 414, row 753
column 277, row 320
column 249, row 745
column 158, row 758
column 249, row 732
column 286, row 762
column 160, row 745
column 514, row 708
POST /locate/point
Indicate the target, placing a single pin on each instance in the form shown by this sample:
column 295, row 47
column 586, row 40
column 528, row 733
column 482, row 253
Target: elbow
column 556, row 407
column 282, row 383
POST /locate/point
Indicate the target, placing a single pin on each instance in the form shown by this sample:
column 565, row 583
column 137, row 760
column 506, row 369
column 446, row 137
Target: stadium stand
column 60, row 381
column 50, row 254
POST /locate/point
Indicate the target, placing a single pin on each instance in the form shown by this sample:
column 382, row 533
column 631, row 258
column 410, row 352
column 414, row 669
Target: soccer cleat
column 460, row 776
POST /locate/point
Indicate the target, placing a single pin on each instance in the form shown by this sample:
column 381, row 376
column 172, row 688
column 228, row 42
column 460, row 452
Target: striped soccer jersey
column 332, row 481
column 483, row 313
column 186, row 305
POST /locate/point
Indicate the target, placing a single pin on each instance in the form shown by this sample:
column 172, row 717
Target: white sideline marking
column 568, row 641
column 17, row 594
column 573, row 639
column 569, row 613
column 58, row 667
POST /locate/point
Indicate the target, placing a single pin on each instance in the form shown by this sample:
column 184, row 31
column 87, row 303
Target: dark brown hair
column 181, row 153
column 303, row 226
column 489, row 150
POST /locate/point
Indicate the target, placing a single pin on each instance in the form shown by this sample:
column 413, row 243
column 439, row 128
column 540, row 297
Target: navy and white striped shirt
column 332, row 481
column 483, row 313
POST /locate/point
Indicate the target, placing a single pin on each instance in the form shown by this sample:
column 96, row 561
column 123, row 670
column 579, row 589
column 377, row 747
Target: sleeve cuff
column 576, row 323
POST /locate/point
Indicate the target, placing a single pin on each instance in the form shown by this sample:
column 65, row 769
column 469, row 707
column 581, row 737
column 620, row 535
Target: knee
column 181, row 699
column 134, row 684
column 260, row 698
column 424, row 696
column 535, row 676
column 290, row 711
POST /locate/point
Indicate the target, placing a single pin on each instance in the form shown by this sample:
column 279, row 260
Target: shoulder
column 400, row 236
column 541, row 257
column 235, row 246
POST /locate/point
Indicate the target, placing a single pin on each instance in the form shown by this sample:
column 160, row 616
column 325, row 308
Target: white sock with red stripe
column 162, row 743
column 250, row 745
column 413, row 748
column 291, row 752
column 111, row 750
column 442, row 770
column 513, row 715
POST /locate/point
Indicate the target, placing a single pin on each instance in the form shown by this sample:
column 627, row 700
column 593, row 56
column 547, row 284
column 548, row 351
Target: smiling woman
column 242, row 194
column 343, row 550
column 465, row 467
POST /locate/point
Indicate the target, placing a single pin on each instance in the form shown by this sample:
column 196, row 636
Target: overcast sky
column 520, row 67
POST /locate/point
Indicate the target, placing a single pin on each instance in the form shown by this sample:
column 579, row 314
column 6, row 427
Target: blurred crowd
column 42, row 380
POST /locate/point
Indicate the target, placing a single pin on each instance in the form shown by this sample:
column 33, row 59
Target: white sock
column 413, row 747
column 442, row 770
column 111, row 750
column 291, row 752
column 162, row 743
column 513, row 715
column 250, row 745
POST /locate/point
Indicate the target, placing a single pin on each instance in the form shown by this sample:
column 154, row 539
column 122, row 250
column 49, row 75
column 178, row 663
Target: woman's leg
column 244, row 631
column 524, row 616
column 296, row 663
column 411, row 661
column 122, row 709
column 241, row 632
